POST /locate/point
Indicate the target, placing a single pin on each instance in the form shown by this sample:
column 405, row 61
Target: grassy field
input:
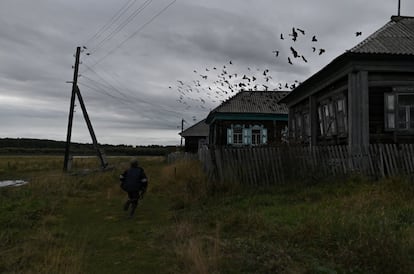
column 74, row 223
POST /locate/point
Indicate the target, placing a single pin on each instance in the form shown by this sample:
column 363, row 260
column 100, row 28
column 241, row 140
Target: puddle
column 12, row 183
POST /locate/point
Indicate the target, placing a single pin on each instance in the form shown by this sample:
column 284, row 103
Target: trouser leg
column 134, row 204
column 133, row 199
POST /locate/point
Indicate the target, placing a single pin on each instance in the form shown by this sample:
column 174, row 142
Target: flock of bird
column 203, row 92
column 296, row 34
column 200, row 92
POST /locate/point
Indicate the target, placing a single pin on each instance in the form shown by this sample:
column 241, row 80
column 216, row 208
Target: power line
column 135, row 33
column 100, row 90
column 121, row 25
column 130, row 105
column 112, row 21
column 100, row 77
column 128, row 98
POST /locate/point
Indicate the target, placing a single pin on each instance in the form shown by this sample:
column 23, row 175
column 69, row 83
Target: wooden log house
column 195, row 136
column 364, row 96
column 250, row 118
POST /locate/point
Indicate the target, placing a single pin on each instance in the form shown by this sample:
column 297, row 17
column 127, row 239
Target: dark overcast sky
column 125, row 80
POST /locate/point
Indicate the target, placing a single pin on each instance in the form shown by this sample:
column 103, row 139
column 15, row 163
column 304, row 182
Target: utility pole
column 76, row 92
column 91, row 131
column 71, row 109
column 399, row 7
column 182, row 129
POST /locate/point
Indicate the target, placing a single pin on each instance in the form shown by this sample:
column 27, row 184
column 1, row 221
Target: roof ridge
column 397, row 18
column 395, row 37
column 370, row 37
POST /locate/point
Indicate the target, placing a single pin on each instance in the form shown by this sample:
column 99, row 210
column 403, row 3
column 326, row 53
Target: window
column 341, row 117
column 250, row 135
column 389, row 111
column 332, row 117
column 399, row 111
column 256, row 136
column 327, row 119
column 320, row 120
column 238, row 135
column 406, row 111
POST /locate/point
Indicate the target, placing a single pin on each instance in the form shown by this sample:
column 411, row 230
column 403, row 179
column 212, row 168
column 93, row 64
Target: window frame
column 341, row 116
column 327, row 118
column 394, row 112
column 256, row 137
column 240, row 134
column 332, row 120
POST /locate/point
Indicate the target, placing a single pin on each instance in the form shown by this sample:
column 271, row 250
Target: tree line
column 27, row 146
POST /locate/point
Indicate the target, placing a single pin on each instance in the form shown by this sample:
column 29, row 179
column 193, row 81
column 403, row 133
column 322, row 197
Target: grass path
column 75, row 224
column 113, row 243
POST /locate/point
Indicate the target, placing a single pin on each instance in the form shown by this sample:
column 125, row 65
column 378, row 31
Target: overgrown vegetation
column 61, row 223
column 351, row 226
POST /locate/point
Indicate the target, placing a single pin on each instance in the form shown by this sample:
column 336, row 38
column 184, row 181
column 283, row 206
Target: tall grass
column 30, row 241
column 352, row 226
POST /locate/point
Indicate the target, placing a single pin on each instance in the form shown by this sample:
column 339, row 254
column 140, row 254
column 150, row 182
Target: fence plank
column 273, row 164
column 264, row 163
column 281, row 171
column 410, row 153
column 390, row 156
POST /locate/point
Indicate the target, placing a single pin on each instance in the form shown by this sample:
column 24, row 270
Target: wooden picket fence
column 278, row 165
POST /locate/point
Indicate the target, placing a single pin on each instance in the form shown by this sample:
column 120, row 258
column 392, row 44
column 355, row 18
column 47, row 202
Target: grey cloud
column 38, row 40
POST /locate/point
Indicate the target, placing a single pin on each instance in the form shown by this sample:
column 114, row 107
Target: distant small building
column 195, row 136
column 249, row 118
column 364, row 96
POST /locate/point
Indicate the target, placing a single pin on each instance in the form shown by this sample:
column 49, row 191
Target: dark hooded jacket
column 134, row 179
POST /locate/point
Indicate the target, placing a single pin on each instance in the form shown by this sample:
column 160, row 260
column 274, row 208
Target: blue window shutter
column 264, row 135
column 247, row 136
column 229, row 136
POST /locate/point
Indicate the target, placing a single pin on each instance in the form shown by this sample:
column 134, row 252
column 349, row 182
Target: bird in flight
column 321, row 51
column 290, row 61
column 301, row 31
column 276, row 53
column 294, row 35
column 314, row 39
column 358, row 33
column 281, row 37
column 294, row 52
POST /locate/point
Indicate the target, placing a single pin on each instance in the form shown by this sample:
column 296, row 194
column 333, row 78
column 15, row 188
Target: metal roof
column 262, row 102
column 199, row 129
column 395, row 37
